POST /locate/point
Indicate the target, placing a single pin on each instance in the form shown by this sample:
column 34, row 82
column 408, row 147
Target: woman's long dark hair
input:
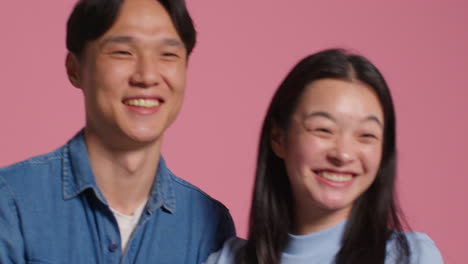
column 375, row 216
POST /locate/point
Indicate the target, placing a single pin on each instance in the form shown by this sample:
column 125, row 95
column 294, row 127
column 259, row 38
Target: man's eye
column 368, row 135
column 169, row 54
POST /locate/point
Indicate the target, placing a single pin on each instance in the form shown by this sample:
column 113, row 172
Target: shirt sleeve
column 424, row 250
column 226, row 228
column 226, row 255
column 216, row 237
column 11, row 239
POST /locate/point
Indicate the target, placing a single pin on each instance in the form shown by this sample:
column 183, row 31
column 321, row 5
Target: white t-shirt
column 127, row 223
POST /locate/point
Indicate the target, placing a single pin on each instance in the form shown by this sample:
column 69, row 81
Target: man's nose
column 146, row 73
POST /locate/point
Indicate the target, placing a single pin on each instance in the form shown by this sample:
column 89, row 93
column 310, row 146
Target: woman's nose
column 341, row 153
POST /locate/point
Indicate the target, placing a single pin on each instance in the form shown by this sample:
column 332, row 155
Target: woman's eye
column 323, row 130
column 368, row 136
column 121, row 52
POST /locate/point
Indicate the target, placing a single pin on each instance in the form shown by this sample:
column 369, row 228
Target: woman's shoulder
column 422, row 248
column 227, row 253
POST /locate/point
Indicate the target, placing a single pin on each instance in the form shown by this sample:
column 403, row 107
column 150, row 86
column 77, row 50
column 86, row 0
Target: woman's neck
column 309, row 220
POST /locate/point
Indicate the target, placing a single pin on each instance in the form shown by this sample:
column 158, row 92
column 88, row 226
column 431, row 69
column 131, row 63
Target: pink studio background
column 244, row 50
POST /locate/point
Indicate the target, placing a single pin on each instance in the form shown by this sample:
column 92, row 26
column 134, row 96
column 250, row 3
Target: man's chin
column 143, row 139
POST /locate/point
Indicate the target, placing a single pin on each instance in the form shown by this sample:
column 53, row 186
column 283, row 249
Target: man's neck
column 124, row 177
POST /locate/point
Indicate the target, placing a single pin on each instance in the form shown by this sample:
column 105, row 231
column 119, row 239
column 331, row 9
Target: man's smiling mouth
column 145, row 103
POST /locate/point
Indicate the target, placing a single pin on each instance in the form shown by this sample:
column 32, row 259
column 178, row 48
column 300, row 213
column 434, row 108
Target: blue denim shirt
column 51, row 211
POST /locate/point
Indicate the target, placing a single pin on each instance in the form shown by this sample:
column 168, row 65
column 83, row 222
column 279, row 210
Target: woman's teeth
column 148, row 103
column 335, row 177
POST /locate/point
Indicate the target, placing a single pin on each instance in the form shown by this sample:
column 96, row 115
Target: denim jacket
column 51, row 211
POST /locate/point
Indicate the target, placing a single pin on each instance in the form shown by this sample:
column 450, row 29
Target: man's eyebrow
column 116, row 39
column 173, row 42
column 127, row 39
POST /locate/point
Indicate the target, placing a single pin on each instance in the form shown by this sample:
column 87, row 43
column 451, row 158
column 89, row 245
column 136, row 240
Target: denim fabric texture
column 52, row 211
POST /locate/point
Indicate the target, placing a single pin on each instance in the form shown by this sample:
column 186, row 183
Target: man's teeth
column 335, row 177
column 142, row 102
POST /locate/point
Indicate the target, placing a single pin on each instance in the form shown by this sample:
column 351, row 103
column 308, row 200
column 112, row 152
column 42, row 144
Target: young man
column 107, row 195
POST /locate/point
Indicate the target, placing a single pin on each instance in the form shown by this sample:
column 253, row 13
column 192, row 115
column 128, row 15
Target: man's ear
column 277, row 141
column 72, row 66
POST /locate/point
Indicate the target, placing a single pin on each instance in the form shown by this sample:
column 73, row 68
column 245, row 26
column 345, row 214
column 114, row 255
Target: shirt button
column 113, row 247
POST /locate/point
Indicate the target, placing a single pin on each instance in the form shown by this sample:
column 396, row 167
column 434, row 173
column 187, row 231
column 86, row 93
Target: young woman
column 325, row 180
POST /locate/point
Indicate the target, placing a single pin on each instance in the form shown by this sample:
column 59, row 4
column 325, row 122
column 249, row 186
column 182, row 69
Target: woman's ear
column 277, row 141
column 72, row 66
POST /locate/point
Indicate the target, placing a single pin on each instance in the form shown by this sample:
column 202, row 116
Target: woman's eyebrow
column 373, row 118
column 326, row 115
column 319, row 114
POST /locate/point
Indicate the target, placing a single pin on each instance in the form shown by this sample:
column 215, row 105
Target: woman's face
column 332, row 147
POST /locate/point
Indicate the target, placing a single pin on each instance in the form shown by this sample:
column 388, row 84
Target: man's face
column 133, row 77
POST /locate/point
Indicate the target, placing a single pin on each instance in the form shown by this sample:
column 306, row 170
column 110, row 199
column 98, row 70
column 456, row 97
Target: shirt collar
column 78, row 177
column 322, row 241
column 162, row 192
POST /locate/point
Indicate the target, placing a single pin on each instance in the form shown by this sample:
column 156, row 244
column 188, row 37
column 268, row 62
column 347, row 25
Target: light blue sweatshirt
column 321, row 248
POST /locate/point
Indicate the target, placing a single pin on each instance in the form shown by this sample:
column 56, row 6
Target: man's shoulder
column 31, row 169
column 185, row 188
column 210, row 214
